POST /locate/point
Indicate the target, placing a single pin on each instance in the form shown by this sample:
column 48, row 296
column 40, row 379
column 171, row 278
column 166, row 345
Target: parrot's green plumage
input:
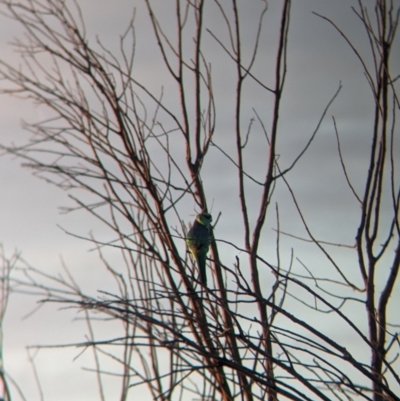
column 198, row 240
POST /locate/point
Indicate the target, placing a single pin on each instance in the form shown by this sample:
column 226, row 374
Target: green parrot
column 198, row 240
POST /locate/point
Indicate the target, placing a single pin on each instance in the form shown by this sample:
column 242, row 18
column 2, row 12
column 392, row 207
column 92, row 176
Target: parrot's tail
column 202, row 268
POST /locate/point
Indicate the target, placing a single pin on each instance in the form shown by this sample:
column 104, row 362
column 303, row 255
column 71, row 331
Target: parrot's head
column 204, row 218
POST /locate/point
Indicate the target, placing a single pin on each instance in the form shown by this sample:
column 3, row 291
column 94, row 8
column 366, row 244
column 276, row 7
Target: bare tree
column 136, row 160
column 7, row 265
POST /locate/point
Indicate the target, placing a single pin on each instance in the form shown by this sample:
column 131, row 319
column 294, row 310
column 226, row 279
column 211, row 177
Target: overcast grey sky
column 318, row 61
